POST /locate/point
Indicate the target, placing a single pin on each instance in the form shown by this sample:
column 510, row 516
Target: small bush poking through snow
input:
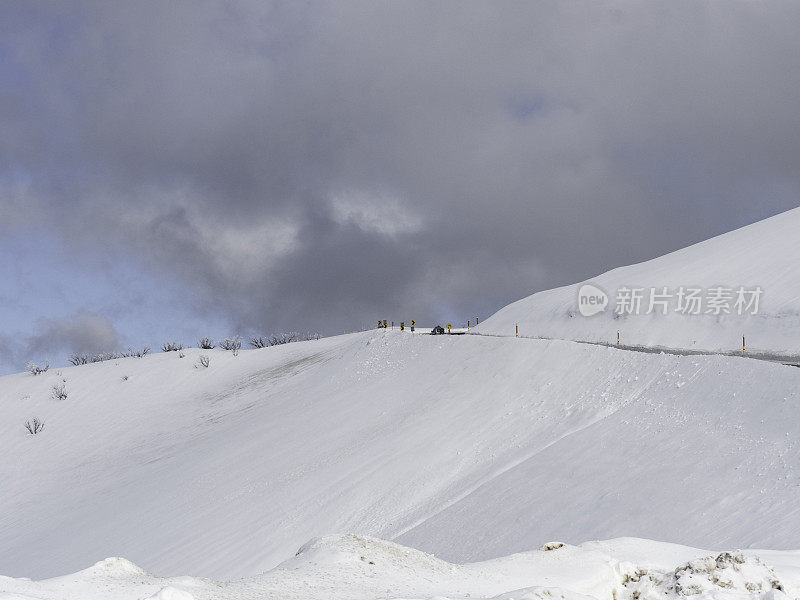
column 78, row 359
column 171, row 346
column 206, row 343
column 233, row 344
column 34, row 426
column 103, row 356
column 291, row 336
column 141, row 353
column 59, row 392
column 204, row 361
column 35, row 369
column 83, row 359
column 284, row 338
column 259, row 342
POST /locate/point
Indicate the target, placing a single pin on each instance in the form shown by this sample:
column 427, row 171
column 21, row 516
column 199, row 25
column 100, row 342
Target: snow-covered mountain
column 760, row 256
column 471, row 447
column 388, row 445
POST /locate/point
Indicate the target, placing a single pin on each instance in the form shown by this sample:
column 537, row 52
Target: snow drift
column 347, row 567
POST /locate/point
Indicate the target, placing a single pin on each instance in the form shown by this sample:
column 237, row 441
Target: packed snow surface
column 469, row 447
column 762, row 255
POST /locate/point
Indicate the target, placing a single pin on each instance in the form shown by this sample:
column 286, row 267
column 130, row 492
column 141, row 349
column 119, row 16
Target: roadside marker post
column 617, row 337
column 516, row 329
column 742, row 344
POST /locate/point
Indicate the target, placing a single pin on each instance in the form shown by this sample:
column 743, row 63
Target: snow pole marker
column 467, row 325
column 516, row 329
column 617, row 337
column 742, row 344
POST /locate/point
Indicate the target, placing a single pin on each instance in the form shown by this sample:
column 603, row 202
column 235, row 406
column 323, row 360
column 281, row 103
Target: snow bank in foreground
column 726, row 575
column 356, row 567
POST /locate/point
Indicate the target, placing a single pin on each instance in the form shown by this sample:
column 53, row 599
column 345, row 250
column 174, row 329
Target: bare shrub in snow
column 78, row 359
column 284, row 338
column 206, row 343
column 103, row 356
column 233, row 344
column 36, row 369
column 140, row 353
column 59, row 392
column 259, row 342
column 171, row 346
column 34, row 426
column 204, row 361
column 276, row 339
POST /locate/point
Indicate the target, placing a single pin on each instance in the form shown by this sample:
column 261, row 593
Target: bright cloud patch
column 382, row 214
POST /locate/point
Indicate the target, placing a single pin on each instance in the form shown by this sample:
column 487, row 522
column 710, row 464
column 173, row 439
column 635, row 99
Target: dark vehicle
column 438, row 330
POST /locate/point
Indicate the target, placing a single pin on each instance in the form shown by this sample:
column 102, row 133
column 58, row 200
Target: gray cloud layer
column 58, row 338
column 320, row 165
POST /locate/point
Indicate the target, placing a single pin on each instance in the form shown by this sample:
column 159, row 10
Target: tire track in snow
column 788, row 360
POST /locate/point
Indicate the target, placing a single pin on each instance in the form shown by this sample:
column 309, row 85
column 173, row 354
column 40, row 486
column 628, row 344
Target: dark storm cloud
column 58, row 338
column 81, row 333
column 318, row 165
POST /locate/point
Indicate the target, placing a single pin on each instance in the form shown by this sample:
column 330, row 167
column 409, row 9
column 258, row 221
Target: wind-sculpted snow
column 762, row 255
column 467, row 447
column 349, row 567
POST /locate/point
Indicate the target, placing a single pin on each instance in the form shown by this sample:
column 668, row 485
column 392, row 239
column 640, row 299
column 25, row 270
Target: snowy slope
column 348, row 567
column 471, row 447
column 760, row 255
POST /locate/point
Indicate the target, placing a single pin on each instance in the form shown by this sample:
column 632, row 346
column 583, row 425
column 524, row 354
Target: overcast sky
column 176, row 169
